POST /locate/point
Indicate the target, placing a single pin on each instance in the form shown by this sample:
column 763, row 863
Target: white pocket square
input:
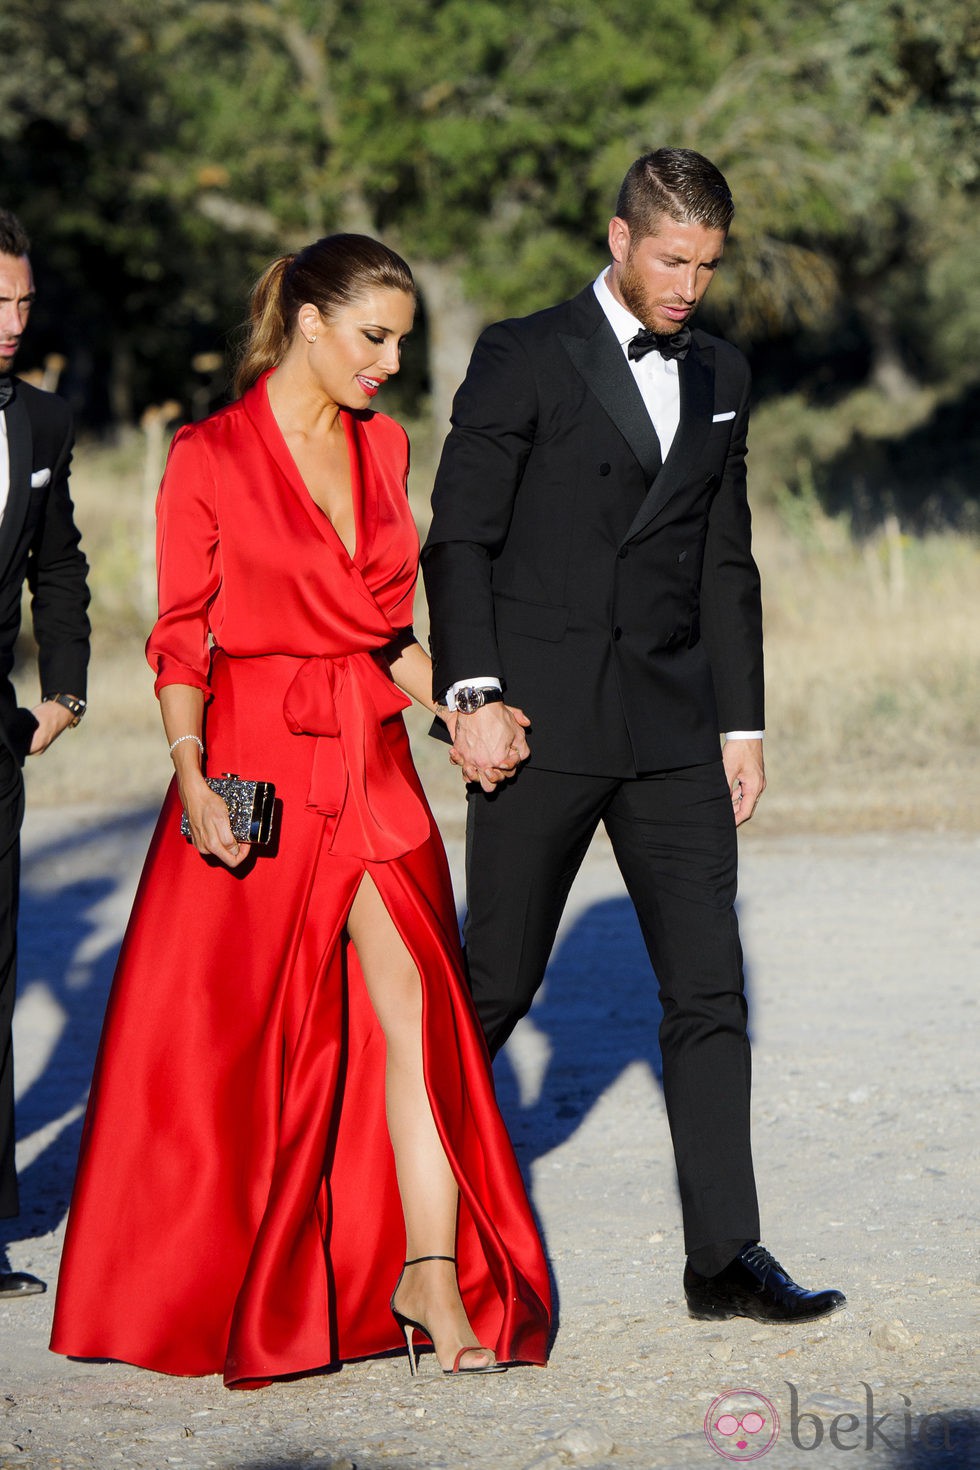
column 40, row 478
column 722, row 418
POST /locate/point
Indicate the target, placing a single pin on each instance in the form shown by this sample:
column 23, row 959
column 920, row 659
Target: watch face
column 469, row 700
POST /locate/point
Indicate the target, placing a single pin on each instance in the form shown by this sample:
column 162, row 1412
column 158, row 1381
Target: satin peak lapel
column 600, row 361
column 697, row 384
column 20, row 448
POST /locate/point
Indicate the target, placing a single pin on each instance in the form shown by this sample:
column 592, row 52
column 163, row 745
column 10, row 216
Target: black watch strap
column 70, row 702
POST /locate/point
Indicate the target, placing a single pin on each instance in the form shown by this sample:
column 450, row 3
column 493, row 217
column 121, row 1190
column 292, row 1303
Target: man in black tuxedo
column 39, row 544
column 590, row 557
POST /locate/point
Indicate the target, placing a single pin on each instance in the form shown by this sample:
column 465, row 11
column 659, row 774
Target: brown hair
column 331, row 273
column 676, row 182
column 13, row 236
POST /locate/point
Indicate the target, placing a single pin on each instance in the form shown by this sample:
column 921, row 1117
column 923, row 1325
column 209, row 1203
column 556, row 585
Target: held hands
column 489, row 744
column 209, row 821
column 746, row 774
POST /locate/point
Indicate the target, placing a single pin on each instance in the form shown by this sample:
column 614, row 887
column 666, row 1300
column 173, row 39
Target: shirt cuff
column 485, row 681
column 744, row 734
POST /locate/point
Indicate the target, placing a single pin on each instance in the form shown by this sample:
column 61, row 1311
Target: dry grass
column 873, row 676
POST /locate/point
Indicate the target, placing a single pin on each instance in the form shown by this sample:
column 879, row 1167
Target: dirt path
column 862, row 960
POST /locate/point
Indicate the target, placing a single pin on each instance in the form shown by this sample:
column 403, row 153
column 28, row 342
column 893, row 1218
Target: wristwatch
column 71, row 702
column 468, row 700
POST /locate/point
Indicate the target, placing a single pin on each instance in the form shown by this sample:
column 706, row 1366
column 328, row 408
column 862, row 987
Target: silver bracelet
column 180, row 738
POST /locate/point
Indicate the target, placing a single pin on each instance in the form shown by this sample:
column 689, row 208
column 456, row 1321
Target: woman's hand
column 449, row 717
column 182, row 706
column 209, row 822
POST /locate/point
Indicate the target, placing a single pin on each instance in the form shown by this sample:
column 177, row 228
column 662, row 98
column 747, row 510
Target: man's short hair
column 677, row 183
column 13, row 236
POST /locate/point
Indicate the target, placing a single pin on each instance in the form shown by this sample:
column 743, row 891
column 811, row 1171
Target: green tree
column 849, row 134
column 478, row 138
column 163, row 153
column 911, row 91
column 129, row 277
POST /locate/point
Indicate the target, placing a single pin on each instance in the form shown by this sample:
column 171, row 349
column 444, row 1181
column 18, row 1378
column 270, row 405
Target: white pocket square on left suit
column 40, row 478
column 722, row 418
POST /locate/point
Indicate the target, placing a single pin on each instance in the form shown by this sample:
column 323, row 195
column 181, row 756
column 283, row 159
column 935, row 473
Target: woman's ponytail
column 268, row 333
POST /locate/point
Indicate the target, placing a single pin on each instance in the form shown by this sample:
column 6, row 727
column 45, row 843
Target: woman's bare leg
column 428, row 1292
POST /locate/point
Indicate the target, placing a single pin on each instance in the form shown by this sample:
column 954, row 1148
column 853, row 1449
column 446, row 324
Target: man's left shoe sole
column 727, row 1314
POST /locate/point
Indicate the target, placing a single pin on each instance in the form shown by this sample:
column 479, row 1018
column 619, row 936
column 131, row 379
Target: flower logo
column 741, row 1425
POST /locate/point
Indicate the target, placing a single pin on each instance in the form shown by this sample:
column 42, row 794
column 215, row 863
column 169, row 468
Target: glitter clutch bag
column 250, row 806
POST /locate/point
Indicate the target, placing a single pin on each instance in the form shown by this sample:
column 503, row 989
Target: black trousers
column 673, row 836
column 11, row 817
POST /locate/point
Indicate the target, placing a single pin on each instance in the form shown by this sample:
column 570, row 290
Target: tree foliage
column 84, row 123
column 161, row 154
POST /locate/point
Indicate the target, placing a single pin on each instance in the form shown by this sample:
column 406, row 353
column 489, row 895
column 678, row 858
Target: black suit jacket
column 39, row 543
column 614, row 595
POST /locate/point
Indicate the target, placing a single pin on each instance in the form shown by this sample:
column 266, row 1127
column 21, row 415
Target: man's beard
column 634, row 293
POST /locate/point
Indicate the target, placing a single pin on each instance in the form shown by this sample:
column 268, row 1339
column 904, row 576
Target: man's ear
column 619, row 239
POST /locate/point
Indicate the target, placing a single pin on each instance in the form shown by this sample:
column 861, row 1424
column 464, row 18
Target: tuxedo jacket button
column 605, row 469
column 617, row 634
column 623, row 552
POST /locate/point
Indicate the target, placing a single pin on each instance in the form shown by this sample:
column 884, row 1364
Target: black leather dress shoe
column 19, row 1283
column 755, row 1285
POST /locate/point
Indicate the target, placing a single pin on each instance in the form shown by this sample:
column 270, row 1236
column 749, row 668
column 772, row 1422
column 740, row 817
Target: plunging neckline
column 349, row 446
column 317, row 513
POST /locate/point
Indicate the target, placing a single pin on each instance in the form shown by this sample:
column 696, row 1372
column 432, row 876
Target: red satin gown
column 235, row 1209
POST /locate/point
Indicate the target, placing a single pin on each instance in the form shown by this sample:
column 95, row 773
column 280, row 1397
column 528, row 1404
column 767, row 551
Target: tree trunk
column 888, row 371
column 453, row 324
column 121, row 384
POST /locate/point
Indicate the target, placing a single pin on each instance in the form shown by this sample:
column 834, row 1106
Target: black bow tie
column 6, row 390
column 676, row 345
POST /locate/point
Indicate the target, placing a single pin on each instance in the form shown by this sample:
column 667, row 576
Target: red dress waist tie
column 343, row 703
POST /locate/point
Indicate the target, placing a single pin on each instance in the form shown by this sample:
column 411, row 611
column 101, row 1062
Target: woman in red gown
column 292, row 1095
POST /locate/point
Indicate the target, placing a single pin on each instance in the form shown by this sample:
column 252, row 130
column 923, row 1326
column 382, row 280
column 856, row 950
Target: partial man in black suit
column 590, row 558
column 39, row 545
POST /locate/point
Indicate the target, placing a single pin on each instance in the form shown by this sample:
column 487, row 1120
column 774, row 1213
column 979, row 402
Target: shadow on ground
column 340, row 1463
column 944, row 1441
column 598, row 1013
column 69, row 936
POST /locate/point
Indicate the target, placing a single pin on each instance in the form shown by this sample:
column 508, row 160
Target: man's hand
column 490, row 743
column 746, row 774
column 52, row 718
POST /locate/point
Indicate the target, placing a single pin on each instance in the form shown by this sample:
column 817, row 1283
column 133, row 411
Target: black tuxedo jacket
column 614, row 595
column 39, row 544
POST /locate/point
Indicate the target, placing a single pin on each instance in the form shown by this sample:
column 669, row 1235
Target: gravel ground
column 862, row 954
